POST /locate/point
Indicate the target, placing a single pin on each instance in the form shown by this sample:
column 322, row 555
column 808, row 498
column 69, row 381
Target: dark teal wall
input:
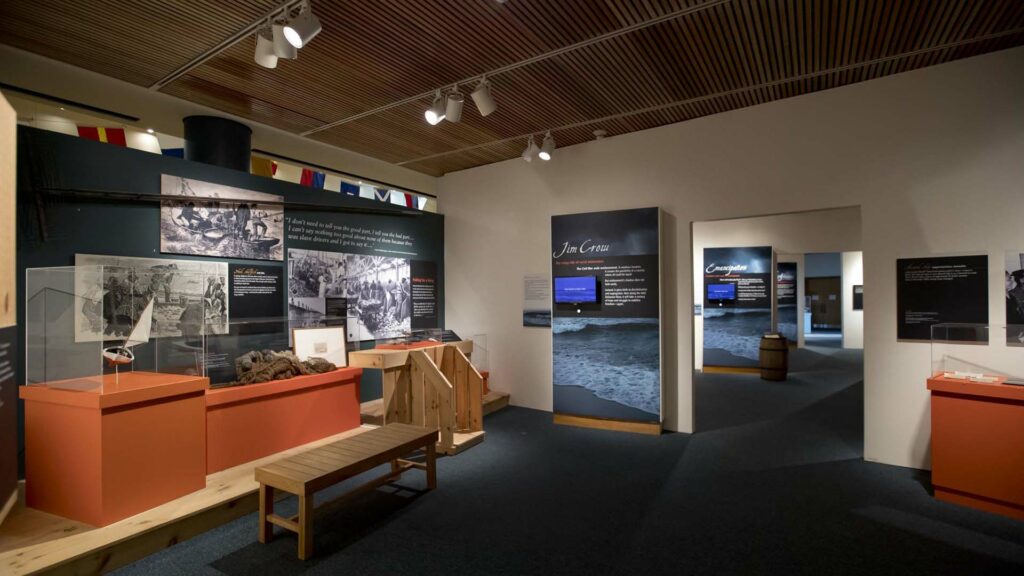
column 51, row 230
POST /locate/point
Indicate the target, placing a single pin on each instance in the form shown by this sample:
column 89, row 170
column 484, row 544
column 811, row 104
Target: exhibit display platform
column 372, row 412
column 651, row 428
column 248, row 422
column 101, row 454
column 977, row 440
column 32, row 541
column 433, row 386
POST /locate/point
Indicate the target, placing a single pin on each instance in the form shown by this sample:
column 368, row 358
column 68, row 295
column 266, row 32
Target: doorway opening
column 793, row 275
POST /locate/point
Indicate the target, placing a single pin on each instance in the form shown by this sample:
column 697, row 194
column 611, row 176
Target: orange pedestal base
column 101, row 455
column 244, row 423
column 978, row 445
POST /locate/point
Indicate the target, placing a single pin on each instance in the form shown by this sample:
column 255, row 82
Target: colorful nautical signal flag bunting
column 312, row 179
column 101, row 134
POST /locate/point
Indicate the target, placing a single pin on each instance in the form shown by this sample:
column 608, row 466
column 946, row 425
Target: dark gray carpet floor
column 773, row 484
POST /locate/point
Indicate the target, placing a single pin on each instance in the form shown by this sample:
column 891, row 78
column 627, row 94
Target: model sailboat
column 118, row 355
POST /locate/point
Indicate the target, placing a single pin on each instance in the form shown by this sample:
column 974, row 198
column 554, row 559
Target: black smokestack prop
column 218, row 141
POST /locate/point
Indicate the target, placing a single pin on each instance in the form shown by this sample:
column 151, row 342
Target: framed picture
column 323, row 342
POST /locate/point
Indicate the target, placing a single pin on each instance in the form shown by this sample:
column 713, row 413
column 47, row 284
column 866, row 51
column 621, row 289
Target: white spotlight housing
column 435, row 113
column 530, row 151
column 453, row 107
column 303, row 27
column 265, row 55
column 282, row 47
column 482, row 97
column 547, row 147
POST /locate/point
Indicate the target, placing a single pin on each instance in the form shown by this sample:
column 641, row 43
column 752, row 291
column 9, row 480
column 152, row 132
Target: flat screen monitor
column 722, row 291
column 575, row 289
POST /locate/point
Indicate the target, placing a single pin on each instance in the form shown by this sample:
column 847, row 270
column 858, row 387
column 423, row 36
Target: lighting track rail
column 527, row 62
column 726, row 93
column 228, row 42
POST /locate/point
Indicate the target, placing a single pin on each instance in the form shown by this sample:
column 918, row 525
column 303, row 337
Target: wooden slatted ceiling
column 373, row 53
column 138, row 41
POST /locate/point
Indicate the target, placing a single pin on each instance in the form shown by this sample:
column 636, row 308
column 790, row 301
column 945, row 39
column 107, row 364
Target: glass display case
column 414, row 336
column 479, row 357
column 86, row 324
column 254, row 350
column 977, row 352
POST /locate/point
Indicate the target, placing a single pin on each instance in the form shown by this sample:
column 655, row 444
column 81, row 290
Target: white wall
column 796, row 233
column 853, row 320
column 933, row 157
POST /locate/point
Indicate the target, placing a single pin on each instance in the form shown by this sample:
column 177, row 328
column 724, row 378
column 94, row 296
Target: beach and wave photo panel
column 607, row 354
column 189, row 296
column 737, row 304
column 375, row 289
column 222, row 221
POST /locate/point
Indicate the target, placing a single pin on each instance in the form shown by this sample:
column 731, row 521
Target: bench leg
column 431, row 466
column 394, row 466
column 266, row 509
column 305, row 526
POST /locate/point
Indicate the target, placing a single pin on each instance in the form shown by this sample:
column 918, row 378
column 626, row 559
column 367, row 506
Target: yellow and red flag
column 101, row 134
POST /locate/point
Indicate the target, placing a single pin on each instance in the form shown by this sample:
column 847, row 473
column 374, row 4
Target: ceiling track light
column 453, row 106
column 282, row 47
column 265, row 55
column 530, row 151
column 482, row 97
column 435, row 114
column 547, row 147
column 303, row 28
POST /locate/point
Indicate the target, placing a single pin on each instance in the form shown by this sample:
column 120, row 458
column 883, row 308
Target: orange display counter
column 978, row 444
column 244, row 423
column 101, row 455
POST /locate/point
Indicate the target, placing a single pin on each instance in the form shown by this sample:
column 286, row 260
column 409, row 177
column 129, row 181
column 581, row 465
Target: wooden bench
column 309, row 472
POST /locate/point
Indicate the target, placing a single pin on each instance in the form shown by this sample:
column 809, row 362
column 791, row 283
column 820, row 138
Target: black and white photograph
column 222, row 221
column 379, row 295
column 376, row 290
column 313, row 277
column 1015, row 298
column 189, row 296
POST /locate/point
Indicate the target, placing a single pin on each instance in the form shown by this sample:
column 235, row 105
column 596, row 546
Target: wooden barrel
column 774, row 357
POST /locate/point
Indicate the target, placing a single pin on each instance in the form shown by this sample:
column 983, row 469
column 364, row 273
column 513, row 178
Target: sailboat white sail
column 117, row 355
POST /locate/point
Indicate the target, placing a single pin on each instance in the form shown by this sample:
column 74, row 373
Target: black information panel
column 424, row 294
column 8, row 414
column 785, row 298
column 256, row 291
column 951, row 289
column 858, row 297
